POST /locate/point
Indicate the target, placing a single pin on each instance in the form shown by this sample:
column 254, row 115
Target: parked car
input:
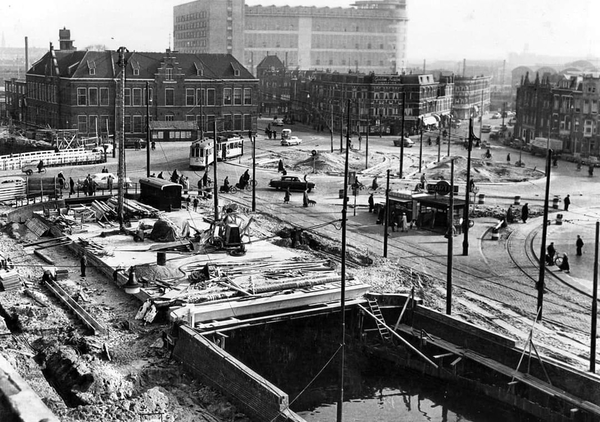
column 277, row 121
column 496, row 116
column 100, row 148
column 407, row 142
column 486, row 128
column 292, row 182
column 135, row 143
column 292, row 140
column 456, row 124
column 101, row 180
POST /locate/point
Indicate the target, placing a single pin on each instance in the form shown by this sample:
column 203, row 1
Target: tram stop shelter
column 432, row 210
column 160, row 194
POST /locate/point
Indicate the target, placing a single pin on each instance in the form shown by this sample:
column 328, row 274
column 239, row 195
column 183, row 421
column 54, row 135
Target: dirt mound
column 481, row 171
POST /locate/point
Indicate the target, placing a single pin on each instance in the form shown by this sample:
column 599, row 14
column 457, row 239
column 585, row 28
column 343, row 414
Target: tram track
column 483, row 282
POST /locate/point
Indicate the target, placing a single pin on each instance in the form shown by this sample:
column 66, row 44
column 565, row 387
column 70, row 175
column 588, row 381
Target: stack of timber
column 92, row 247
column 83, row 214
column 9, row 280
column 133, row 208
column 103, row 211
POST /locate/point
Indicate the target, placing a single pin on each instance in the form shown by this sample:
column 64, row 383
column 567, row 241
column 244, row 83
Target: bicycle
column 486, row 156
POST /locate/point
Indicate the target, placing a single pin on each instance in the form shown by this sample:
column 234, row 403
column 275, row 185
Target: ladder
column 381, row 326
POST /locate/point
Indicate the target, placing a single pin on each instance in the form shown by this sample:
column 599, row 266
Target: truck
column 541, row 145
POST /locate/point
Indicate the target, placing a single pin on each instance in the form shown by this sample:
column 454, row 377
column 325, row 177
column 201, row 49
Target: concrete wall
column 251, row 393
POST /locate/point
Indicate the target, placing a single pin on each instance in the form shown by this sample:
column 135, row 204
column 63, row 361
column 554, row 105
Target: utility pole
column 122, row 63
column 421, row 147
column 215, row 182
column 367, row 138
column 402, row 136
column 386, row 216
column 468, row 191
column 253, row 139
column 450, row 241
column 540, row 283
column 595, row 304
column 148, row 129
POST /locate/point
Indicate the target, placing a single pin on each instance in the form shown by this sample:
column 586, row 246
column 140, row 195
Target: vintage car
column 101, row 180
column 407, row 142
column 292, row 140
column 292, row 182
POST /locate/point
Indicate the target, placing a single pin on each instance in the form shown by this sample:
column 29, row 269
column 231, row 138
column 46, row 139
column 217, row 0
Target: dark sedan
column 292, row 182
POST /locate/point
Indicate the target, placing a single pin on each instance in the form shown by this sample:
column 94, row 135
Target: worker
column 83, row 263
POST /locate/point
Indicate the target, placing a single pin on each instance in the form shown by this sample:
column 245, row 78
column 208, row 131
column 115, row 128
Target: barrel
column 495, row 234
column 559, row 219
column 517, row 200
column 481, row 198
column 161, row 258
column 555, row 202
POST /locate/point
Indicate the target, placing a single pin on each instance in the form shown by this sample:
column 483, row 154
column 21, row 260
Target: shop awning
column 429, row 120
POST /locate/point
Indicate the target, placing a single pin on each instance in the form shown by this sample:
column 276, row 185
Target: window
column 127, row 124
column 104, row 124
column 237, row 96
column 190, row 118
column 81, row 96
column 227, row 96
column 247, row 96
column 594, row 106
column 136, row 71
column 137, row 124
column 237, row 122
column 189, row 97
column 127, row 96
column 104, row 96
column 247, row 122
column 93, row 96
column 137, row 97
column 169, row 96
column 94, row 125
column 82, row 126
column 211, row 97
column 200, row 97
column 169, row 73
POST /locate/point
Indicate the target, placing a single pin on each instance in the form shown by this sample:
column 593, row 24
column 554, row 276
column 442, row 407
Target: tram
column 202, row 153
column 202, row 150
column 229, row 147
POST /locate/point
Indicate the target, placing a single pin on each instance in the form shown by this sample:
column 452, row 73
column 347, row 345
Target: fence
column 51, row 158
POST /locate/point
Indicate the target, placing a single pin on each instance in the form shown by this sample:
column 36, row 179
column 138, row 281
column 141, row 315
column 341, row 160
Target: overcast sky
column 437, row 29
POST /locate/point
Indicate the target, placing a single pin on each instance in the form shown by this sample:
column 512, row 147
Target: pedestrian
column 555, row 162
column 286, row 196
column 188, row 199
column 510, row 218
column 429, row 140
column 160, row 175
column 374, row 185
column 567, row 202
column 40, row 166
column 109, row 182
column 71, row 186
column 564, row 265
column 525, row 213
column 305, row 199
column 371, row 203
column 280, row 167
column 579, row 245
column 508, row 158
column 404, row 223
column 83, row 263
column 205, row 179
column 551, row 253
column 195, row 203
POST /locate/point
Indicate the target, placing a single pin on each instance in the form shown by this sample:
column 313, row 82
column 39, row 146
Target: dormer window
column 91, row 67
column 199, row 69
column 236, row 69
column 136, row 71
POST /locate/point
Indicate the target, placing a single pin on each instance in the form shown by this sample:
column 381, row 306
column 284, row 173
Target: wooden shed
column 161, row 194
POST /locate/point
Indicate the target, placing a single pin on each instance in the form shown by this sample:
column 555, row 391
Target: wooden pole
column 215, row 181
column 540, row 283
column 386, row 215
column 148, row 129
column 468, row 191
column 595, row 304
column 450, row 242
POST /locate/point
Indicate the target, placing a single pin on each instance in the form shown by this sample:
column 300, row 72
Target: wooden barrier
column 50, row 158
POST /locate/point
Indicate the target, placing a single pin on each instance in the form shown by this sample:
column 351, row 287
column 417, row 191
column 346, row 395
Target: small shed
column 161, row 194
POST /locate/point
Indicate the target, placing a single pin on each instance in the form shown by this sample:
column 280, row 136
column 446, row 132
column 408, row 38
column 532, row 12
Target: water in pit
column 401, row 395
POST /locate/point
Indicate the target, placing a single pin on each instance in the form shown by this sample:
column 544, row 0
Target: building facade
column 368, row 37
column 74, row 89
column 471, row 96
column 565, row 108
column 377, row 104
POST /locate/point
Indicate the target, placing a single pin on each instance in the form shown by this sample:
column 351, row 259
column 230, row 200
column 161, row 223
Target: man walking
column 525, row 213
column 371, row 203
column 567, row 202
column 579, row 245
column 83, row 263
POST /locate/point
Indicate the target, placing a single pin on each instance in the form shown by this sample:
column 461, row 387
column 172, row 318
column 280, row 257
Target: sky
column 437, row 29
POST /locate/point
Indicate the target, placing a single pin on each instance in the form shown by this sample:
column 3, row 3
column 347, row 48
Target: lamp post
column 402, row 136
column 122, row 63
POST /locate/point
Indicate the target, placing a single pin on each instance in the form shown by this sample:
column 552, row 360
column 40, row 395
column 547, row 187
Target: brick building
column 74, row 89
column 471, row 96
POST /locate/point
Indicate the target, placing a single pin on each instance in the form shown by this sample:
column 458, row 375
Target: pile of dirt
column 323, row 162
column 482, row 171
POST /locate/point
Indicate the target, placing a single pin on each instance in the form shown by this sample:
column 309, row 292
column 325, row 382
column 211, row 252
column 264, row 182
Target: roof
column 158, row 183
column 77, row 64
column 270, row 62
column 174, row 125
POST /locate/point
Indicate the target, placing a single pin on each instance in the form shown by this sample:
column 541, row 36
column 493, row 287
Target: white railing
column 50, row 158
